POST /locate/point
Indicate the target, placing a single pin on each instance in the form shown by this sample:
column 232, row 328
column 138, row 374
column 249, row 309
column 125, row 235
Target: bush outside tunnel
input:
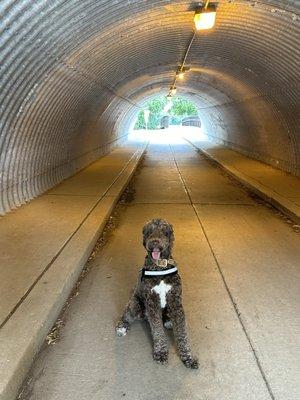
column 73, row 75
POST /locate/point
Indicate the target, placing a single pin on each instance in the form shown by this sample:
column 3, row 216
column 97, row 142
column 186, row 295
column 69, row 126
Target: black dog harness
column 147, row 273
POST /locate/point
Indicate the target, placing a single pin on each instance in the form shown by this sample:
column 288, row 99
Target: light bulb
column 205, row 18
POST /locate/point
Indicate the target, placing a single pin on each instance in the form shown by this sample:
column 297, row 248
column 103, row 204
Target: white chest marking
column 162, row 290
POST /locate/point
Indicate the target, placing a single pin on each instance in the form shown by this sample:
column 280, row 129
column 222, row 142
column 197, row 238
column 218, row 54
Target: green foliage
column 156, row 105
column 180, row 108
column 140, row 122
column 183, row 108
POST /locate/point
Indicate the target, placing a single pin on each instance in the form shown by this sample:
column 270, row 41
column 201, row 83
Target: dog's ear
column 145, row 233
column 171, row 233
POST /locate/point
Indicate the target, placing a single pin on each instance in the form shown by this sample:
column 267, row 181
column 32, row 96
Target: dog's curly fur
column 146, row 303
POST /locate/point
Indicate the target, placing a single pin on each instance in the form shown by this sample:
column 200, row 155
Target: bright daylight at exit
column 167, row 120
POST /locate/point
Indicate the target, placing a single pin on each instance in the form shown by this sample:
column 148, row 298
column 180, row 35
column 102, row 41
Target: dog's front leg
column 177, row 317
column 153, row 313
column 132, row 311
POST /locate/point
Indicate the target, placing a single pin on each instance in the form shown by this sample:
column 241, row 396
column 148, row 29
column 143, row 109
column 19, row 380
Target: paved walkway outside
column 239, row 264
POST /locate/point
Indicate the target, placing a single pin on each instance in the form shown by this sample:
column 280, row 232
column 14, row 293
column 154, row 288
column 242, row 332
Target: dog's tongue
column 155, row 254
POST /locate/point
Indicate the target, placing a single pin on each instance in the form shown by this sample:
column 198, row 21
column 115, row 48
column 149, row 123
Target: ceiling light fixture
column 180, row 74
column 205, row 17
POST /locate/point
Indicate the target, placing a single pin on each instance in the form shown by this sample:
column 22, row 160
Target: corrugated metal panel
column 71, row 73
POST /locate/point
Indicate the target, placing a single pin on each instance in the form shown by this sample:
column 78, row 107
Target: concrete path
column 44, row 246
column 239, row 263
column 33, row 235
column 277, row 187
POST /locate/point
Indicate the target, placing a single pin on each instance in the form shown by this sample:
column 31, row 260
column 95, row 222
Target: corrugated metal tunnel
column 73, row 74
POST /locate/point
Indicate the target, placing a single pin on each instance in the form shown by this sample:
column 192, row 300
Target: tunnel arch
column 72, row 74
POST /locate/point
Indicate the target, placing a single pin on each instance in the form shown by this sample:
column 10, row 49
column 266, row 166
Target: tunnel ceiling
column 74, row 73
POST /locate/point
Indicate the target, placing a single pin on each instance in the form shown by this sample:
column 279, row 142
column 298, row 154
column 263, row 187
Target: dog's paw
column 121, row 330
column 191, row 362
column 168, row 325
column 160, row 356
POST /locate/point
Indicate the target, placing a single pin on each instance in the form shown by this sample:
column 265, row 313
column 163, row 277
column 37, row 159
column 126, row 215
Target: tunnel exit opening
column 167, row 120
column 174, row 134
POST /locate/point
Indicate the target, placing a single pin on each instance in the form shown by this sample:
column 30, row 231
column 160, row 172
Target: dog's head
column 158, row 238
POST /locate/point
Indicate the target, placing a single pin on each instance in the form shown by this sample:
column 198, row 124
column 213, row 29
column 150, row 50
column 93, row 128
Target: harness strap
column 152, row 274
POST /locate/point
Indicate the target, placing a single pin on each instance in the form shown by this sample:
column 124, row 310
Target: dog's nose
column 155, row 244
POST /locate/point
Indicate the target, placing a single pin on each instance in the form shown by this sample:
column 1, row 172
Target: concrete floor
column 239, row 263
column 60, row 211
column 275, row 180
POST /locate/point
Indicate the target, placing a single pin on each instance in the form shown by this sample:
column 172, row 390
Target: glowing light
column 205, row 18
column 180, row 75
column 174, row 135
column 167, row 107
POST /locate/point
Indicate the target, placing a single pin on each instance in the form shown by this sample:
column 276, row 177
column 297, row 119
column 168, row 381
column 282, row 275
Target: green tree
column 140, row 122
column 180, row 108
column 156, row 105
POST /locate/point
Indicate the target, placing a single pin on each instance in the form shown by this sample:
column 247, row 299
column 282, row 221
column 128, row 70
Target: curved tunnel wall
column 73, row 74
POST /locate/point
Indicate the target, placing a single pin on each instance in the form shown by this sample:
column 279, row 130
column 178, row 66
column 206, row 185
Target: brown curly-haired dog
column 157, row 295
